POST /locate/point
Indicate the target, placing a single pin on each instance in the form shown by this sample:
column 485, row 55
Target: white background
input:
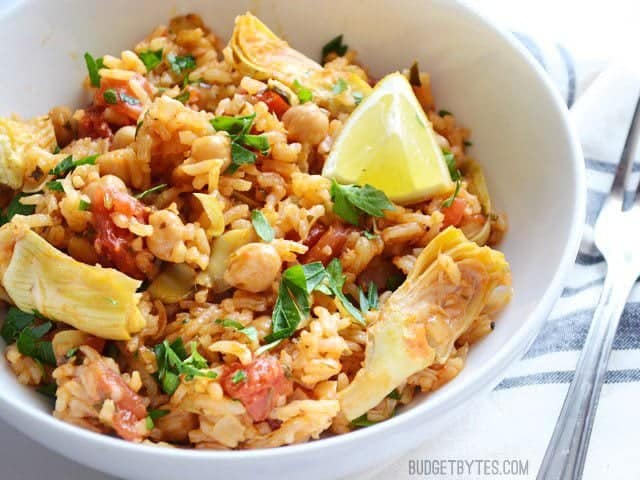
column 590, row 29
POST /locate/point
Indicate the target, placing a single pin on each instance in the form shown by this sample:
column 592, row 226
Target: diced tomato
column 131, row 407
column 454, row 213
column 315, row 232
column 265, row 384
column 112, row 242
column 274, row 101
column 126, row 102
column 328, row 245
column 93, row 124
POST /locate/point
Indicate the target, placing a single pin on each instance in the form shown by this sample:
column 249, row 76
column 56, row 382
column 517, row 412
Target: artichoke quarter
column 450, row 285
column 37, row 276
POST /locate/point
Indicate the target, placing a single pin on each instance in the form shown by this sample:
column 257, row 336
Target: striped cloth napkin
column 514, row 422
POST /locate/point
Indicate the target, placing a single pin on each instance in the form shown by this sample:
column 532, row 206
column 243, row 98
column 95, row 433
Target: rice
column 162, row 138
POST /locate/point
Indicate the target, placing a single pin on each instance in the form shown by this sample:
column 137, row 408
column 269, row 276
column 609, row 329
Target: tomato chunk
column 121, row 97
column 328, row 245
column 131, row 407
column 113, row 243
column 93, row 124
column 453, row 214
column 274, row 101
column 260, row 388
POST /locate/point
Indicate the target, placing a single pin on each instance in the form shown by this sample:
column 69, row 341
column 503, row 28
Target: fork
column 616, row 235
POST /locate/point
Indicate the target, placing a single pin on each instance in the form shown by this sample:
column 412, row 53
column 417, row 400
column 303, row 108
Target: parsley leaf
column 183, row 97
column 173, row 361
column 370, row 300
column 456, row 176
column 444, row 113
column 250, row 332
column 257, row 142
column 267, row 347
column 83, row 205
column 394, row 394
column 349, row 201
column 128, row 99
column 233, row 125
column 151, row 190
column 181, row 63
column 304, row 94
column 362, row 421
column 339, row 87
column 110, row 96
column 155, row 414
column 261, row 226
column 239, row 376
column 336, row 46
column 69, row 164
column 54, row 186
column 357, row 97
column 18, row 327
column 48, row 390
column 93, row 66
column 369, row 235
column 240, row 156
column 151, row 58
column 336, row 282
column 15, row 207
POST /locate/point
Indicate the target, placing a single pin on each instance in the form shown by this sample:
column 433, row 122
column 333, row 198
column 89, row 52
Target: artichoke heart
column 16, row 138
column 478, row 187
column 37, row 276
column 448, row 288
column 258, row 52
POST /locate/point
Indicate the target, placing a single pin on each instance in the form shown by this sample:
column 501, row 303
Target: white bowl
column 521, row 135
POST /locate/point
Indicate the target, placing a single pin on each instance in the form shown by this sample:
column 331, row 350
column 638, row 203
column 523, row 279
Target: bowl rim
column 487, row 375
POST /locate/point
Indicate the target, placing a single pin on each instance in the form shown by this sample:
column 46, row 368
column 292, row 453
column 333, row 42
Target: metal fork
column 616, row 236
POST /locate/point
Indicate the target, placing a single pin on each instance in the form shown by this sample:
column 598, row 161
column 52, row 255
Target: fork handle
column 567, row 450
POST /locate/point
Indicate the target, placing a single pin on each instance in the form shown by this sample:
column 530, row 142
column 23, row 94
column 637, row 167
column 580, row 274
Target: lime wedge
column 389, row 143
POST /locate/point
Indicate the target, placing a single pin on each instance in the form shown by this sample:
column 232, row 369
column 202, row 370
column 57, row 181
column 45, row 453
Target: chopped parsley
column 444, row 113
column 110, row 96
column 250, row 332
column 362, row 421
column 297, row 282
column 238, row 129
column 183, row 97
column 48, row 390
column 71, row 352
column 19, row 327
column 239, row 376
column 69, row 164
column 84, row 205
column 455, row 174
column 336, row 46
column 56, row 150
column 173, row 361
column 261, row 226
column 394, row 394
column 339, row 87
column 151, row 190
column 138, row 125
column 357, row 97
column 55, row 186
column 15, row 207
column 370, row 300
column 303, row 93
column 350, row 201
column 370, row 235
column 414, row 75
column 151, row 58
column 152, row 416
column 93, row 67
column 267, row 347
column 468, row 143
column 181, row 63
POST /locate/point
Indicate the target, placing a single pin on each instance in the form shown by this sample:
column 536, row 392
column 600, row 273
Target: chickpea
column 124, row 136
column 167, row 241
column 253, row 267
column 212, row 146
column 306, row 123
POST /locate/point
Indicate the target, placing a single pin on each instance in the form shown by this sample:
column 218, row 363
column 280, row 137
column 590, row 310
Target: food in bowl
column 239, row 247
